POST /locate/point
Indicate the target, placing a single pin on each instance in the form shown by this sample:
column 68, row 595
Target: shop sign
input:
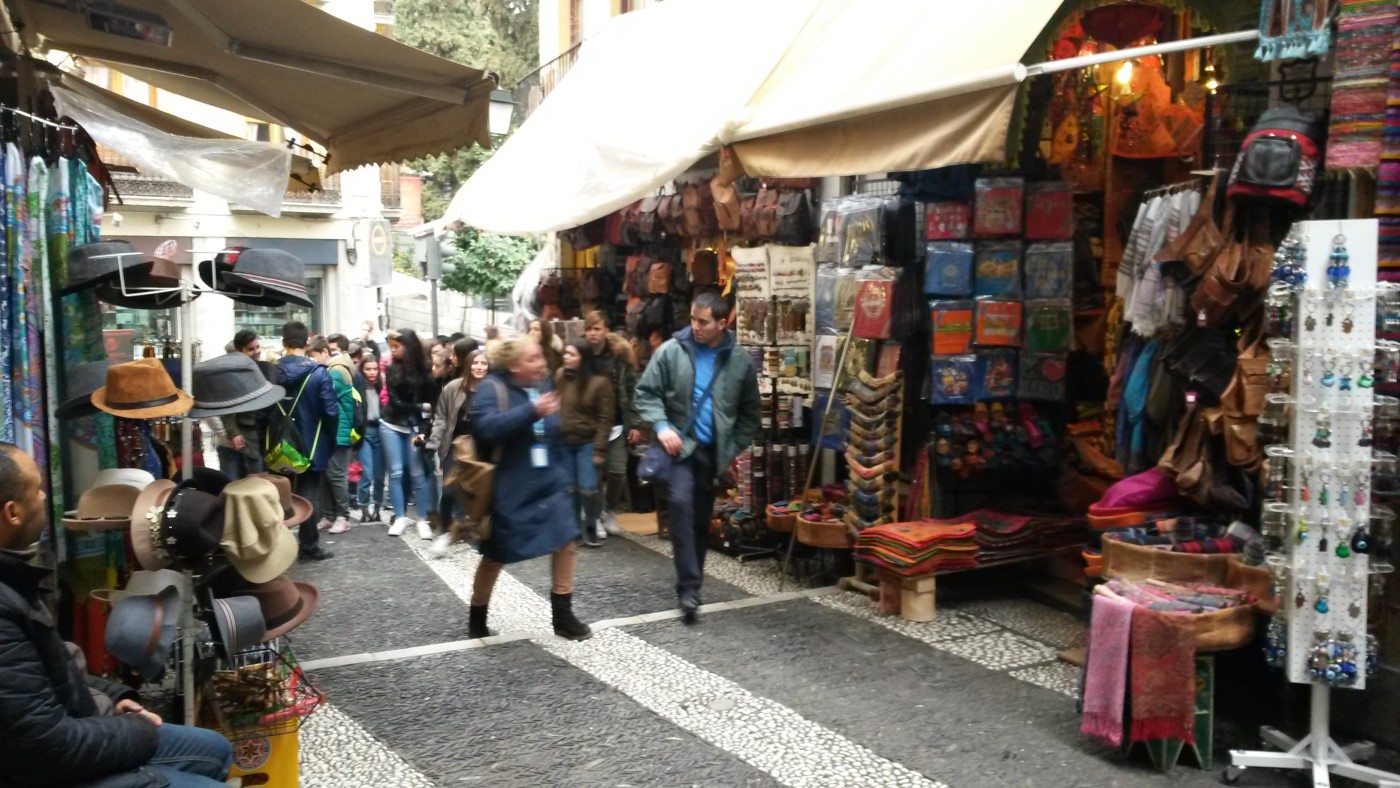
column 381, row 254
column 120, row 344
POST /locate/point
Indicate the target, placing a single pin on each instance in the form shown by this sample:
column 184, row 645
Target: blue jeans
column 690, row 505
column 372, row 463
column 582, row 472
column 401, row 455
column 185, row 757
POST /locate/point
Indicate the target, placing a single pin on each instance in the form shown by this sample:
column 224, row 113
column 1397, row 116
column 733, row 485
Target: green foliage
column 486, row 264
column 499, row 36
column 404, row 264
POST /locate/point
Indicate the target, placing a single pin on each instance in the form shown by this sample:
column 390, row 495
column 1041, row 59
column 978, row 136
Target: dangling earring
column 1329, row 373
column 1323, row 585
column 1322, row 439
column 1338, row 264
column 1347, row 323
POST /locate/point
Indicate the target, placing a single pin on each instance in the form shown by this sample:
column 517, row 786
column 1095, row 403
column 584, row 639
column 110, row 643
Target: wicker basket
column 1219, row 631
column 781, row 523
column 823, row 533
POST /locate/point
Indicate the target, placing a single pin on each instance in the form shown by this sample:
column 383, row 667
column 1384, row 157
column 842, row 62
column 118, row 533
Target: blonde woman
column 517, row 411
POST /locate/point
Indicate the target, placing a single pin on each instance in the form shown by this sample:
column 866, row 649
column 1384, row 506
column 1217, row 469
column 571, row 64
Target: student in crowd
column 337, row 363
column 452, row 419
column 404, row 420
column 370, row 383
column 611, row 357
column 315, row 412
column 585, row 420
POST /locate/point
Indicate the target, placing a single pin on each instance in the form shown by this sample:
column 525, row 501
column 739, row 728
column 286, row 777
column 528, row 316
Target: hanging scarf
column 1106, row 670
column 18, row 261
column 1163, row 675
column 36, row 246
column 7, row 338
column 1388, row 182
column 1290, row 29
column 1365, row 36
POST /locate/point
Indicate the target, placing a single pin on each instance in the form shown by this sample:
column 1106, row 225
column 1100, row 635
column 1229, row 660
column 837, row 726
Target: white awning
column 819, row 87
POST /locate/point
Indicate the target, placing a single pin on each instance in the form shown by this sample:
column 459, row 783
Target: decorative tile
column 998, row 650
column 1054, row 628
column 1061, row 677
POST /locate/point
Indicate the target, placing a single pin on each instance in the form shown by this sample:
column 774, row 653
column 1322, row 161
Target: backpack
column 726, row 205
column 699, row 204
column 673, row 215
column 765, row 214
column 361, row 418
column 284, row 451
column 748, row 218
column 634, row 314
column 649, row 225
column 1280, row 160
column 588, row 292
column 653, row 314
column 704, row 267
column 794, row 219
column 658, row 279
column 550, row 286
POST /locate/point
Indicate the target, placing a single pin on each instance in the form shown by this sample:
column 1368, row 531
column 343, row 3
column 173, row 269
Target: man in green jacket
column 342, row 375
column 700, row 394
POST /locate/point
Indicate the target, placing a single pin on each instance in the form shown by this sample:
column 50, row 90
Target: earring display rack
column 1325, row 580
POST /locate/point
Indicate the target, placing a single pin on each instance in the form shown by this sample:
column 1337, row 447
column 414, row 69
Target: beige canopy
column 367, row 98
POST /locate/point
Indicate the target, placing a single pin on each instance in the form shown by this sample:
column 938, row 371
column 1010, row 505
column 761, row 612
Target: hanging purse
column 655, row 464
column 1243, row 399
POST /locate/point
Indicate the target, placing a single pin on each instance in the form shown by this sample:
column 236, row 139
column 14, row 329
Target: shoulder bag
column 473, row 477
column 655, row 465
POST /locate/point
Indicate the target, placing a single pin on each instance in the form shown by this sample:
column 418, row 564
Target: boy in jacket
column 317, row 419
column 701, row 397
column 337, row 363
column 59, row 726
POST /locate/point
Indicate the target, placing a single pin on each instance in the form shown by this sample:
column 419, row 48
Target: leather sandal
column 883, row 432
column 879, row 383
column 870, row 460
column 875, row 484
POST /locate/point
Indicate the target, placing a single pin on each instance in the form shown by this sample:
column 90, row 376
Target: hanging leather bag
column 649, row 226
column 1280, row 159
column 727, row 207
column 1201, row 239
column 1243, row 399
column 766, row 214
column 632, row 224
column 794, row 219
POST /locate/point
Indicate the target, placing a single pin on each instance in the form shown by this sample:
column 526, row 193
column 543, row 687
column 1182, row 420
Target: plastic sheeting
column 252, row 174
column 813, row 71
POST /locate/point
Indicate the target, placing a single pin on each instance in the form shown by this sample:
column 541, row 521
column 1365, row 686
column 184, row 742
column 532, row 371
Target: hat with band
column 229, row 384
column 141, row 389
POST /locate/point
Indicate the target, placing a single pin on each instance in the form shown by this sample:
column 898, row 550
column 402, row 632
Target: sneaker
column 600, row 531
column 590, row 541
column 340, row 526
column 425, row 530
column 400, row 525
column 440, row 545
column 324, row 524
column 609, row 523
column 314, row 554
column 357, row 514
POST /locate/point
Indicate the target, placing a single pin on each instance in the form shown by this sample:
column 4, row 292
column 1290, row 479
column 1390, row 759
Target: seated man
column 59, row 727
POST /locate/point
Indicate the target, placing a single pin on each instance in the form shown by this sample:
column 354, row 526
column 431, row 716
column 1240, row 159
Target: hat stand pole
column 187, row 620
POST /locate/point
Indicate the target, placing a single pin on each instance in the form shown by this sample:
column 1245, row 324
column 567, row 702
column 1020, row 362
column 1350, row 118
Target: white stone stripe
column 793, row 749
column 334, row 750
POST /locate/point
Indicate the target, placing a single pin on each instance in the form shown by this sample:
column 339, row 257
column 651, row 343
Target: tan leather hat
column 141, row 389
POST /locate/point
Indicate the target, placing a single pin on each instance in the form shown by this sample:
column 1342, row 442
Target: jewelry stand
column 1321, row 599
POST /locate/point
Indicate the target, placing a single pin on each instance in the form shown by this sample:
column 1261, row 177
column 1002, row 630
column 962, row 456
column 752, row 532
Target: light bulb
column 1125, row 73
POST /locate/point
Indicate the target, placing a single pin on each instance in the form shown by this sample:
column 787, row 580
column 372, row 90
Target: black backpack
column 283, row 449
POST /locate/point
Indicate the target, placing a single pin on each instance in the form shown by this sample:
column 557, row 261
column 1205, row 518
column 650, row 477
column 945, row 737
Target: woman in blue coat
column 516, row 412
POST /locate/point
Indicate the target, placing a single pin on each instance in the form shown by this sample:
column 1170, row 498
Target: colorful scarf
column 36, row 236
column 1365, row 36
column 1163, row 670
column 1388, row 182
column 23, row 386
column 1106, row 669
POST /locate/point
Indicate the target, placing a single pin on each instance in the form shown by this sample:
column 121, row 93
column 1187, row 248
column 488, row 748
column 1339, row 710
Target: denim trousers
column 372, row 461
column 690, row 504
column 186, row 757
column 406, row 460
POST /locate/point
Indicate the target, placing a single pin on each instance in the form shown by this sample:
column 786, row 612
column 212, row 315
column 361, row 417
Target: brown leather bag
column 699, row 210
column 1243, row 399
column 795, row 225
column 726, row 205
column 649, row 220
column 748, row 219
column 789, row 183
column 659, row 279
column 704, row 267
column 673, row 215
column 632, row 224
column 630, row 277
column 1199, row 242
column 1239, row 269
column 766, row 213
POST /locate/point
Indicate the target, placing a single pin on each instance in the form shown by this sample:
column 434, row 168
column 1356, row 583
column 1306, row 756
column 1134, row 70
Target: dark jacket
column 317, row 413
column 52, row 731
column 619, row 363
column 342, row 374
column 585, row 412
column 375, row 411
column 530, row 510
column 455, row 396
column 406, row 399
column 668, row 385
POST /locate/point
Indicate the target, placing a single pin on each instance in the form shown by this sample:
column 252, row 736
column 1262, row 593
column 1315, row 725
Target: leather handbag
column 673, row 215
column 699, row 210
column 795, row 226
column 649, row 226
column 727, row 208
column 766, row 214
column 1239, row 268
column 748, row 218
column 1243, row 399
column 631, row 224
column 474, row 478
column 1198, row 243
column 659, row 279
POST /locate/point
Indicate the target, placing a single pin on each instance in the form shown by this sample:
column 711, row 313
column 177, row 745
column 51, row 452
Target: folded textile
column 1163, row 676
column 1106, row 669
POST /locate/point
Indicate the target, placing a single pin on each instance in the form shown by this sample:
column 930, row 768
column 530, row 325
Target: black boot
column 588, row 524
column 476, row 623
column 566, row 625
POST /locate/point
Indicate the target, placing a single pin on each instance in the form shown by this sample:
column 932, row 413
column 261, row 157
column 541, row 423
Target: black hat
column 231, row 383
column 207, row 480
column 92, row 264
column 160, row 275
column 79, row 383
column 192, row 524
column 268, row 273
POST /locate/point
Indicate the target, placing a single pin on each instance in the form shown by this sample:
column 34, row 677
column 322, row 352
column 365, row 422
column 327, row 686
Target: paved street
column 811, row 687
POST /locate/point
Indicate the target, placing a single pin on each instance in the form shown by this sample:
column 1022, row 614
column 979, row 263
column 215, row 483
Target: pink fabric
column 1106, row 670
column 1144, row 490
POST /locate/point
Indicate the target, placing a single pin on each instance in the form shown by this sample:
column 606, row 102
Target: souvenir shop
column 1154, row 352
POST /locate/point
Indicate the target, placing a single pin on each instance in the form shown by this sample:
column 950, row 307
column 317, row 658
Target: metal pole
column 187, row 621
column 433, row 296
column 816, row 455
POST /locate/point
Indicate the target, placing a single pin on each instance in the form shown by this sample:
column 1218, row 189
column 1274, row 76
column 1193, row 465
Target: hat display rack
column 285, row 686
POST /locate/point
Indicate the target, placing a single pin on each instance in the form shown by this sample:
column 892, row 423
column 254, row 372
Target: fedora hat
column 142, row 583
column 254, row 539
column 147, row 517
column 268, row 273
column 207, row 480
column 141, row 389
column 285, row 605
column 141, row 630
column 211, row 272
column 229, row 384
column 161, row 275
column 92, row 264
column 193, row 524
column 136, row 477
column 238, row 620
column 78, row 384
column 295, row 509
column 103, row 507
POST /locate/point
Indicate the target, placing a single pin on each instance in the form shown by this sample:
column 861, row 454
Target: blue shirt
column 704, row 417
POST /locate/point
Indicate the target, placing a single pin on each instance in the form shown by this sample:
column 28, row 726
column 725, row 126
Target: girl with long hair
column 370, row 496
column 452, row 419
column 585, row 421
column 405, row 417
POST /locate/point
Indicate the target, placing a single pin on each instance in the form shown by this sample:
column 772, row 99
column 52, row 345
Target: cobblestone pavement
column 797, row 687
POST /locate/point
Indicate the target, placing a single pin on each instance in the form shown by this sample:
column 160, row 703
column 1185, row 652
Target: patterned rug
column 1361, row 80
